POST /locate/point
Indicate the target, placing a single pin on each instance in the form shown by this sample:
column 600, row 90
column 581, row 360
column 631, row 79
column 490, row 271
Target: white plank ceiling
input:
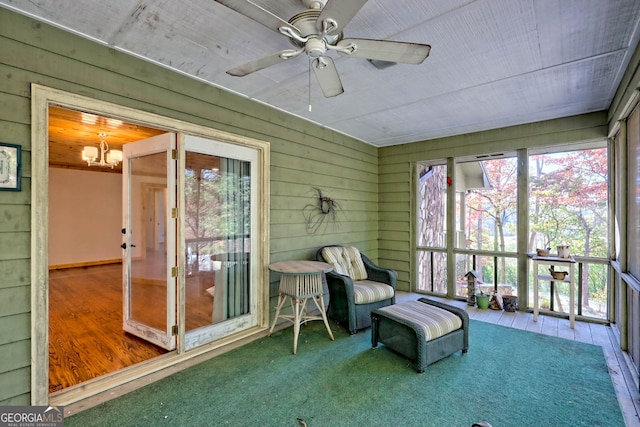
column 493, row 63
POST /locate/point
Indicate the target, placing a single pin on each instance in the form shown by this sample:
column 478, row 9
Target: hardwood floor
column 621, row 376
column 86, row 339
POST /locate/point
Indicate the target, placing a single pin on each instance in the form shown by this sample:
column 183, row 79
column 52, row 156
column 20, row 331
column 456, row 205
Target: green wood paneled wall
column 303, row 156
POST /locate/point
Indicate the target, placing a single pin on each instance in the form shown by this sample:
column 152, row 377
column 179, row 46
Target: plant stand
column 553, row 260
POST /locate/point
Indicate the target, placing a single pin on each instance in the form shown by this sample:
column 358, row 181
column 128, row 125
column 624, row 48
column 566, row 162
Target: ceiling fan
column 318, row 30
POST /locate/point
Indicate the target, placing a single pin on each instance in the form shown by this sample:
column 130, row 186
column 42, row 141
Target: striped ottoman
column 423, row 331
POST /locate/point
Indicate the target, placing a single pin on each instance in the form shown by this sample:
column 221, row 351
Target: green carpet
column 509, row 378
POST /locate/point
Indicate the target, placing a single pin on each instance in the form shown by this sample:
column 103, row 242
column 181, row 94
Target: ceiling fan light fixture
column 315, row 47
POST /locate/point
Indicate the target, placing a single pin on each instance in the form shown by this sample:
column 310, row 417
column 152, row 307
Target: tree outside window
column 568, row 206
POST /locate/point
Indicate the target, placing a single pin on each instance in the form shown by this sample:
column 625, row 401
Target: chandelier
column 108, row 158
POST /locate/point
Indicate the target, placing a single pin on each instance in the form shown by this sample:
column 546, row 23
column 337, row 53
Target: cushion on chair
column 435, row 321
column 367, row 291
column 345, row 260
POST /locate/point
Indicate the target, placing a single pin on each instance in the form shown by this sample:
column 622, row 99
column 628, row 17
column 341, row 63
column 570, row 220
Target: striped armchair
column 356, row 286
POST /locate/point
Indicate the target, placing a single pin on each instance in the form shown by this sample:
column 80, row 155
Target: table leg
column 298, row 307
column 572, row 313
column 319, row 300
column 281, row 299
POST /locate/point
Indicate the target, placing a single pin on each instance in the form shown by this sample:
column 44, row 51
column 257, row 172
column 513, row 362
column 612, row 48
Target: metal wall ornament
column 10, row 167
column 324, row 209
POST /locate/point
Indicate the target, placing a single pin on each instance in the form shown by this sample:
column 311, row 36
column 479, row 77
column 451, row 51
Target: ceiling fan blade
column 341, row 11
column 327, row 75
column 258, row 14
column 259, row 64
column 384, row 50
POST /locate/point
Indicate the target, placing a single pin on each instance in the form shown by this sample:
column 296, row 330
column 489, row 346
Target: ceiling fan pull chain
column 309, row 85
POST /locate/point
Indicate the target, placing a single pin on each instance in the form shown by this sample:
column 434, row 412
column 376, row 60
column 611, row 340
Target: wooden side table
column 555, row 261
column 300, row 281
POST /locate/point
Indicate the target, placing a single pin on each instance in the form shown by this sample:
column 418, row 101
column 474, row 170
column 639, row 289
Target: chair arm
column 339, row 283
column 379, row 274
column 342, row 302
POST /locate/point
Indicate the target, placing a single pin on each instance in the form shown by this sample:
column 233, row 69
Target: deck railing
column 498, row 272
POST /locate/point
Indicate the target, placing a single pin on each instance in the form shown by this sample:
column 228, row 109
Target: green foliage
column 487, row 273
column 217, row 203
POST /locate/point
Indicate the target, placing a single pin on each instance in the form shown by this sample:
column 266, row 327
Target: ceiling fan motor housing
column 305, row 22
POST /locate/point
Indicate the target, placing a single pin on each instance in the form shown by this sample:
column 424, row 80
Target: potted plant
column 482, row 300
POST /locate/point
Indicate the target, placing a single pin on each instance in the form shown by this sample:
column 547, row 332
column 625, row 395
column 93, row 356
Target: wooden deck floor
column 591, row 333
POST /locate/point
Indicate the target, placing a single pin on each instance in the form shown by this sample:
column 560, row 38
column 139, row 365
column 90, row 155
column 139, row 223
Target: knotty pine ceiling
column 70, row 131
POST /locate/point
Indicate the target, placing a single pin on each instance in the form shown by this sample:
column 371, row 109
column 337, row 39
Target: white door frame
column 41, row 98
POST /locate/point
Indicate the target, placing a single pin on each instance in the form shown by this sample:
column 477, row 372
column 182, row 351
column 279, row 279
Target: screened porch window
column 432, row 231
column 568, row 205
column 633, row 212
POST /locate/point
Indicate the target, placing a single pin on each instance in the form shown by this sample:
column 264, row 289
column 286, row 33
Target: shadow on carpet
column 509, row 377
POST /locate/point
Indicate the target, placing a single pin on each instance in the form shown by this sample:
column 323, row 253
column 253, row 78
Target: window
column 487, row 222
column 432, row 227
column 568, row 206
column 633, row 211
column 490, row 205
column 432, row 188
column 568, row 201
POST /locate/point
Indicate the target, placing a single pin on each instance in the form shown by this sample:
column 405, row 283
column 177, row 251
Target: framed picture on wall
column 10, row 165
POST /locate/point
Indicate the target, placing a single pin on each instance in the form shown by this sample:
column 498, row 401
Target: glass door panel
column 149, row 244
column 219, row 224
column 217, row 238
